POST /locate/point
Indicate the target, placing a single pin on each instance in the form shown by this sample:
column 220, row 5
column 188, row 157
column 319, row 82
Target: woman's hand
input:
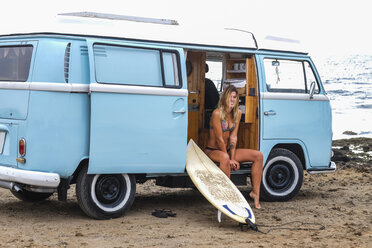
column 234, row 165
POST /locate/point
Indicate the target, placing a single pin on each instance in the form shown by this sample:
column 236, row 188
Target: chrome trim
column 59, row 87
column 14, row 85
column 121, row 17
column 332, row 168
column 34, row 178
column 292, row 96
column 45, row 86
column 87, row 88
column 179, row 111
column 270, row 112
column 142, row 90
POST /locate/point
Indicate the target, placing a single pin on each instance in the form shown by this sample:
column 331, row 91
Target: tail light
column 22, row 147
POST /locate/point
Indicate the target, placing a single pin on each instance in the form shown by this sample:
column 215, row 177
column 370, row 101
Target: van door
column 138, row 108
column 16, row 63
column 290, row 114
column 15, row 68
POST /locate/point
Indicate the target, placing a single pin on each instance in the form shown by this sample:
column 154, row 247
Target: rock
column 345, row 148
column 349, row 133
column 340, row 157
column 365, row 148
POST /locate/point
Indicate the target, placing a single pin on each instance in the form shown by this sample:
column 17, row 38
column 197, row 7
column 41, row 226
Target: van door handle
column 179, row 112
column 271, row 112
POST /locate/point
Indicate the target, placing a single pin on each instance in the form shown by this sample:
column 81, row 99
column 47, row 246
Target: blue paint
column 133, row 132
column 307, row 123
column 232, row 212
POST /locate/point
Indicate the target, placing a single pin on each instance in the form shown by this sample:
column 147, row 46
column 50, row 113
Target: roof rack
column 245, row 31
column 121, row 17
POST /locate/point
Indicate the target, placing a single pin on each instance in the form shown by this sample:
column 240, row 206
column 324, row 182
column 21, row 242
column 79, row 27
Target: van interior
column 225, row 68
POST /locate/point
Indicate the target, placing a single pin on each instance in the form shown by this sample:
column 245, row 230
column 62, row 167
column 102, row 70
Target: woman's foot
column 256, row 200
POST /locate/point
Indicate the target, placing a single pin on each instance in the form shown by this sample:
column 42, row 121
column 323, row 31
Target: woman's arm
column 217, row 129
column 233, row 140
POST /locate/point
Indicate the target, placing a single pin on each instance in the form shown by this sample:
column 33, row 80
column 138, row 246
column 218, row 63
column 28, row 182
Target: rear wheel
column 105, row 196
column 282, row 176
column 30, row 196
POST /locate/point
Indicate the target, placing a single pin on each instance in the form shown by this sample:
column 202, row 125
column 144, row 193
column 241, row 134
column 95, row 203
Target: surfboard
column 215, row 186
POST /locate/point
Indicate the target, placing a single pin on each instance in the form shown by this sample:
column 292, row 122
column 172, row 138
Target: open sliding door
column 138, row 108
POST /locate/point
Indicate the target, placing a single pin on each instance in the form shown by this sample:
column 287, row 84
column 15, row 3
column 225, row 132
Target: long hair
column 223, row 105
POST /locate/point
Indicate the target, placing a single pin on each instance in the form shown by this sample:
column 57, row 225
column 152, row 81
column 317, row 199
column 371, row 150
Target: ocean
column 347, row 80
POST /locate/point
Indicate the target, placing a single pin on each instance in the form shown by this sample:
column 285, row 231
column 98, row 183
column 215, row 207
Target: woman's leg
column 222, row 158
column 244, row 155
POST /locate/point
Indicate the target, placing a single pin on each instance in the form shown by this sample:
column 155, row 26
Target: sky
column 323, row 27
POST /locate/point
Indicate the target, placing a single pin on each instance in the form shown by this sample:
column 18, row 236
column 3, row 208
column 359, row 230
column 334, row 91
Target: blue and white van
column 105, row 103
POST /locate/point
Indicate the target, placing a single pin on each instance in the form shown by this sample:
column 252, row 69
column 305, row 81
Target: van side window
column 15, row 63
column 289, row 76
column 171, row 69
column 310, row 77
column 135, row 66
column 125, row 65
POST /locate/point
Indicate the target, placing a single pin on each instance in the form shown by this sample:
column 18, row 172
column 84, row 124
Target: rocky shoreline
column 354, row 153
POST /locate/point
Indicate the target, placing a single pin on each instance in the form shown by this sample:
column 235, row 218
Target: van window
column 310, row 77
column 125, row 65
column 136, row 66
column 171, row 69
column 15, row 63
column 288, row 75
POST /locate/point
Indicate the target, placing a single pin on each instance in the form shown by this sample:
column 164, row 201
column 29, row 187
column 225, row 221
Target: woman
column 221, row 146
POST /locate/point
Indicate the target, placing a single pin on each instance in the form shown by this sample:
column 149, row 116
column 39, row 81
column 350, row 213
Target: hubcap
column 109, row 189
column 280, row 176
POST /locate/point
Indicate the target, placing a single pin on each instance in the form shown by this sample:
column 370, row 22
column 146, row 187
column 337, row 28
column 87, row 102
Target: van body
column 109, row 111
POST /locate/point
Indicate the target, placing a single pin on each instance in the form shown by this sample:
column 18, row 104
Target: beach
column 332, row 210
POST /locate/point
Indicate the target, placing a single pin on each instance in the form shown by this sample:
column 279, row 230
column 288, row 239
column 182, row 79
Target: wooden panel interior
column 248, row 128
column 195, row 83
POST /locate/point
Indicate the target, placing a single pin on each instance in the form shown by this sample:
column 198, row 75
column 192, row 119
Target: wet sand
column 331, row 210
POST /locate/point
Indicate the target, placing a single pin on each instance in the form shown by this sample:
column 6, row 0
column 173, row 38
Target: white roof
column 106, row 25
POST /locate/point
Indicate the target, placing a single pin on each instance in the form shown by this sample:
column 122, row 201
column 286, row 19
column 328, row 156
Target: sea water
column 347, row 80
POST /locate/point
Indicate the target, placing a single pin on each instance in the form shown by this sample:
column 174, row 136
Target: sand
column 331, row 210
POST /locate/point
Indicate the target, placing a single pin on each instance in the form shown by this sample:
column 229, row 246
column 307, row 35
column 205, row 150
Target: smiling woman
column 223, row 138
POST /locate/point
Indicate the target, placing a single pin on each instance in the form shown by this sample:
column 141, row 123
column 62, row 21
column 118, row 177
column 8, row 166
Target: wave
column 340, row 92
column 364, row 106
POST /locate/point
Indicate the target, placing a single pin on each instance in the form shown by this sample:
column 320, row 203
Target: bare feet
column 256, row 199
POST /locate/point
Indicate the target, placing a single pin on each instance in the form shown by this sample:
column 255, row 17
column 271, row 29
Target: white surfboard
column 215, row 186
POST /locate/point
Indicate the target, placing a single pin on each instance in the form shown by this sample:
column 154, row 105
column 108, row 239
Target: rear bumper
column 34, row 178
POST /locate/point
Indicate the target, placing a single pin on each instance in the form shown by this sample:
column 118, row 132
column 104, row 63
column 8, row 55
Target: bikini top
column 225, row 126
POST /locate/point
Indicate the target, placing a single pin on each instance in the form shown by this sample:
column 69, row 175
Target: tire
column 105, row 196
column 30, row 196
column 282, row 176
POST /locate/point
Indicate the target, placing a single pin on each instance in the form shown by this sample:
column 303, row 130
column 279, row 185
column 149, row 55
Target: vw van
column 105, row 103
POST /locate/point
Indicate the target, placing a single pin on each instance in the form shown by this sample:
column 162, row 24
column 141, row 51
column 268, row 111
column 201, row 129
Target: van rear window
column 15, row 63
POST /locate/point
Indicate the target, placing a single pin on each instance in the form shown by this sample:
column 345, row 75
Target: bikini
column 225, row 128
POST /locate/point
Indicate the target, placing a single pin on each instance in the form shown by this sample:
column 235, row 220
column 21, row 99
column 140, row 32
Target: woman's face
column 231, row 100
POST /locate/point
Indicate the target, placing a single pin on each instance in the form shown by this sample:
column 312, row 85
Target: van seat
column 243, row 165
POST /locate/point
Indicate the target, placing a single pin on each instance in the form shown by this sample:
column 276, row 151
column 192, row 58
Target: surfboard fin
column 219, row 213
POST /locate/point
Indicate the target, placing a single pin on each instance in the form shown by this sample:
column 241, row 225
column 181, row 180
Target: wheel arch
column 296, row 148
column 83, row 162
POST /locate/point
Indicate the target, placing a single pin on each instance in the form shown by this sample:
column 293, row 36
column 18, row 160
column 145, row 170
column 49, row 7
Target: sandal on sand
column 163, row 213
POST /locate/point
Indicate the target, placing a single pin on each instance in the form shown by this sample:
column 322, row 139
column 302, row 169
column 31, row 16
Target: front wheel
column 105, row 196
column 282, row 176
